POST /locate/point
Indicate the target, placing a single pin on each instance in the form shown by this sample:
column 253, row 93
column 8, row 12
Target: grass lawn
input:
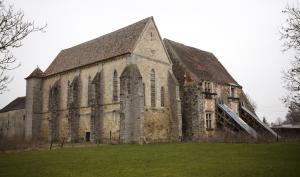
column 186, row 159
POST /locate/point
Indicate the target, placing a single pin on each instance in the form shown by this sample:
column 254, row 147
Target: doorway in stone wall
column 87, row 136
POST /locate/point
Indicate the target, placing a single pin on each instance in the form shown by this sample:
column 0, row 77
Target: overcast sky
column 244, row 35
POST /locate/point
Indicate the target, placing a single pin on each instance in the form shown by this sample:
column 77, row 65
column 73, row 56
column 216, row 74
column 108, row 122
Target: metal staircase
column 228, row 119
column 252, row 120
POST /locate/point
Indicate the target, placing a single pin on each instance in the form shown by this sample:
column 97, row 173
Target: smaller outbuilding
column 12, row 119
column 289, row 131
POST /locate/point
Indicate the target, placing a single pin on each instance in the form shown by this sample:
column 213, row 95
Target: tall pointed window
column 162, row 97
column 144, row 91
column 115, row 86
column 152, row 85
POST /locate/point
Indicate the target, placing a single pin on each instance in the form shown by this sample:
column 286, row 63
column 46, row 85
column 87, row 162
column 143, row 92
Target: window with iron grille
column 208, row 120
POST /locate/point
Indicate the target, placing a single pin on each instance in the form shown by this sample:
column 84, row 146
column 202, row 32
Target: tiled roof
column 18, row 103
column 204, row 65
column 107, row 46
column 36, row 73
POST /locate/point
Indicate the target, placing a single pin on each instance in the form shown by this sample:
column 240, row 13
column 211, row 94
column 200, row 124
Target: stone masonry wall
column 96, row 101
column 193, row 118
column 12, row 124
column 149, row 54
column 33, row 107
column 132, row 109
column 175, row 106
column 74, row 109
column 54, row 95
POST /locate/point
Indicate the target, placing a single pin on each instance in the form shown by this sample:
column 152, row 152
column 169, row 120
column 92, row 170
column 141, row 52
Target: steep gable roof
column 18, row 103
column 204, row 65
column 107, row 46
column 37, row 73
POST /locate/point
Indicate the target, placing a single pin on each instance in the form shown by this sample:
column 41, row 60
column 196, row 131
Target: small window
column 162, row 96
column 207, row 87
column 208, row 120
column 232, row 91
column 23, row 117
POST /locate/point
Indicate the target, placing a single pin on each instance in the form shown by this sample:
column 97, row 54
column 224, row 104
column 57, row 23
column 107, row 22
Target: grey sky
column 242, row 34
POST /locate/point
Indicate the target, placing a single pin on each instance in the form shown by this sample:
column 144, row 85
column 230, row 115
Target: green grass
column 187, row 159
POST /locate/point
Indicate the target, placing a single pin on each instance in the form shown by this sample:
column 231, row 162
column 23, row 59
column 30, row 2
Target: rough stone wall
column 176, row 116
column 96, row 101
column 33, row 108
column 12, row 124
column 223, row 93
column 110, row 109
column 157, row 126
column 150, row 54
column 151, row 46
column 54, row 95
column 132, row 109
column 74, row 109
column 193, row 106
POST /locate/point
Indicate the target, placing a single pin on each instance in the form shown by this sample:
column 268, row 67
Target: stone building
column 130, row 86
column 12, row 119
column 115, row 88
column 212, row 101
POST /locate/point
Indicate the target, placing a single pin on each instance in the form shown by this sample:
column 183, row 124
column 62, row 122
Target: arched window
column 115, row 86
column 162, row 97
column 152, row 85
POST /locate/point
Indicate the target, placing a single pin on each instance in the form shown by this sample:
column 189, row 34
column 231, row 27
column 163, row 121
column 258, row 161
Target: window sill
column 209, row 95
column 162, row 109
column 209, row 129
column 233, row 98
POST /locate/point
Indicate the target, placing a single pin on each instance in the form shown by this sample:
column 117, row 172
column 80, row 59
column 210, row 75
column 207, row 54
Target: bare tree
column 290, row 34
column 13, row 29
column 265, row 121
column 251, row 102
column 278, row 121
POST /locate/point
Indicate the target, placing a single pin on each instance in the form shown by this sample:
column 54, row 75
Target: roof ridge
column 106, row 34
column 116, row 43
column 202, row 63
column 16, row 104
column 37, row 72
column 189, row 46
